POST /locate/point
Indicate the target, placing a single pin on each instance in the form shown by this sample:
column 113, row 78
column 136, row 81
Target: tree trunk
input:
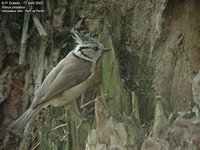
column 147, row 76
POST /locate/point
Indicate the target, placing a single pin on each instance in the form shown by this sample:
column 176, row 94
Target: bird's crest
column 83, row 39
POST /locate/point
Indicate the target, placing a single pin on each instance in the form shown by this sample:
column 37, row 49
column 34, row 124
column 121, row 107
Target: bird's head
column 88, row 48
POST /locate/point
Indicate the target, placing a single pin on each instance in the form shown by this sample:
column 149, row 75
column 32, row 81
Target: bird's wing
column 65, row 75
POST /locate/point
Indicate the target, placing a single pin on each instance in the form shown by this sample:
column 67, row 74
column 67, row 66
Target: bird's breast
column 71, row 94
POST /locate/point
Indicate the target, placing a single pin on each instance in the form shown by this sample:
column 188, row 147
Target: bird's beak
column 106, row 49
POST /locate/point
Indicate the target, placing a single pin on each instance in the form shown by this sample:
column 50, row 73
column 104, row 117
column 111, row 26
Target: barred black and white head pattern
column 87, row 47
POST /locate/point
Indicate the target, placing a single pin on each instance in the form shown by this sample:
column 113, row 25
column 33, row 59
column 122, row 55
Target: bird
column 67, row 80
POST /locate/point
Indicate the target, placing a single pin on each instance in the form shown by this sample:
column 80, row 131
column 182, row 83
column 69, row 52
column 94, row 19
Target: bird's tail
column 19, row 124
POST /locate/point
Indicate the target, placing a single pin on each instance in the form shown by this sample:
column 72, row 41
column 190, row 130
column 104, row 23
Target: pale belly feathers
column 71, row 94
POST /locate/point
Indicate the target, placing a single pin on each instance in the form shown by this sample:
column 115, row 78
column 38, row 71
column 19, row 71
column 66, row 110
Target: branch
column 22, row 56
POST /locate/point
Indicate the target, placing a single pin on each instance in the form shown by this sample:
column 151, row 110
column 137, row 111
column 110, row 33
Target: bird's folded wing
column 61, row 78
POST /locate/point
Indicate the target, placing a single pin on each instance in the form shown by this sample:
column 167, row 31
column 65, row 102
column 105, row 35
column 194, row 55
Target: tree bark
column 148, row 74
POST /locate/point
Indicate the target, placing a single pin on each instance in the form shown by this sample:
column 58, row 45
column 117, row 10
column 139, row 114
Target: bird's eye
column 95, row 48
